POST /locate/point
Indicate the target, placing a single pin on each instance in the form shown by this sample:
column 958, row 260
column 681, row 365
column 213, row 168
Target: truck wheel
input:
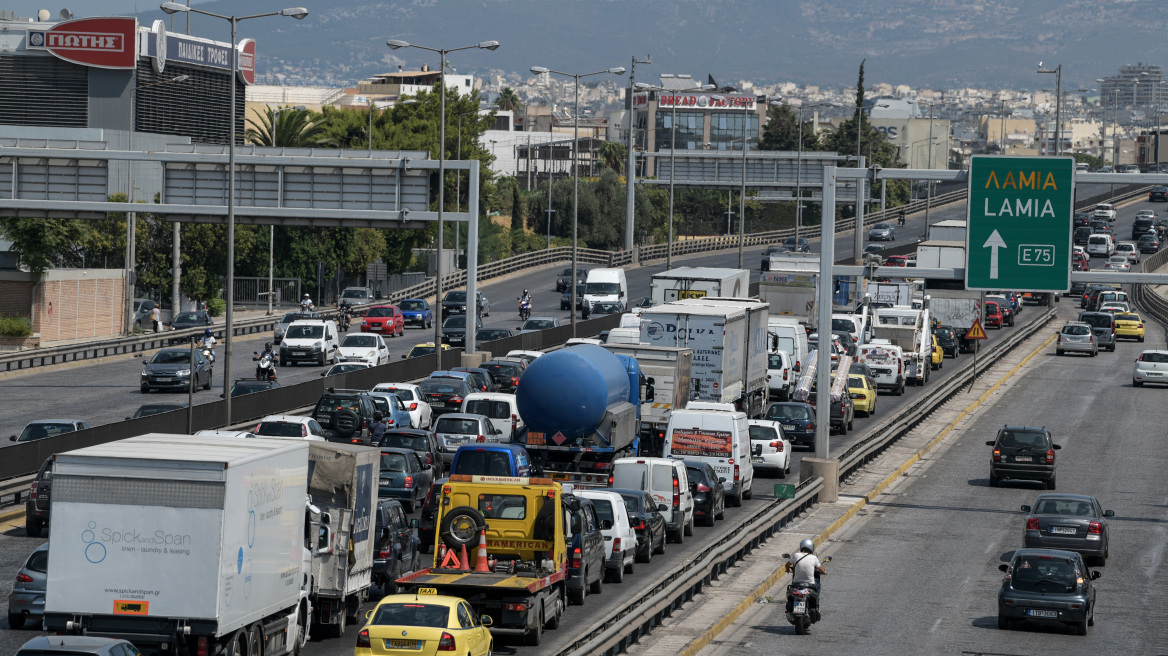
column 534, row 636
column 558, row 608
column 461, row 527
column 597, row 586
column 255, row 640
column 577, row 596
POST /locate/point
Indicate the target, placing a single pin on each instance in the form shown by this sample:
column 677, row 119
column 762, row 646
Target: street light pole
column 631, row 167
column 394, row 44
column 229, row 324
column 540, row 70
column 1058, row 104
column 272, row 228
column 799, row 169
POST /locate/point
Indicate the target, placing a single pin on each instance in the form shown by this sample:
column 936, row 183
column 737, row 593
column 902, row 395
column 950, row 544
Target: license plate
column 436, row 404
column 789, row 427
column 1023, row 459
column 1063, row 530
column 403, row 644
column 1152, row 373
column 756, row 459
column 165, row 380
column 801, row 607
column 383, row 482
column 1039, row 612
column 300, row 353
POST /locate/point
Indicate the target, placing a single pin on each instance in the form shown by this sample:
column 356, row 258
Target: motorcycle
column 803, row 603
column 266, row 369
column 208, row 354
column 343, row 316
column 524, row 309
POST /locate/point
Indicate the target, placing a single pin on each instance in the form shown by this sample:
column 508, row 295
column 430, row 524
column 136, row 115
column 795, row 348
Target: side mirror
column 369, row 614
column 660, row 507
column 128, row 418
column 1025, row 509
column 1004, row 567
column 146, row 362
column 12, row 438
column 403, row 356
column 787, row 556
column 323, row 373
column 990, row 442
column 414, row 523
column 722, row 479
column 1056, row 446
column 1109, row 513
column 486, row 620
column 222, row 397
column 606, row 525
column 1096, row 574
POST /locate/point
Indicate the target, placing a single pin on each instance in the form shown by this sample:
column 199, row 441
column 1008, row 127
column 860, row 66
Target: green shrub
column 14, row 326
column 216, row 307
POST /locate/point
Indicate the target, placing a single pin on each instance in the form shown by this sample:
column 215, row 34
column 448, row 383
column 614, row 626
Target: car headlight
column 144, row 374
column 370, row 354
column 318, row 345
column 183, row 372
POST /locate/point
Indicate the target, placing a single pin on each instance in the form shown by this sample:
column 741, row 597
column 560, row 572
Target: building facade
column 705, row 121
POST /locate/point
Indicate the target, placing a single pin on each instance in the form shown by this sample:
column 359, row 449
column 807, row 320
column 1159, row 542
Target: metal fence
column 254, row 291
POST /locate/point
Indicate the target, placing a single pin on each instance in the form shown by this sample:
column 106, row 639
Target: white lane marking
column 937, row 624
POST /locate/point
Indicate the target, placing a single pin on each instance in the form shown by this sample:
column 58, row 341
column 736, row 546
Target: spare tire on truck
column 346, row 422
column 461, row 527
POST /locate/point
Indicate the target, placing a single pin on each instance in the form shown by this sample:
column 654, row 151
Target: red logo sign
column 97, row 42
column 246, row 55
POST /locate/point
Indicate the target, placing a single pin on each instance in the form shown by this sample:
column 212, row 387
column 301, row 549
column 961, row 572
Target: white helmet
column 808, row 545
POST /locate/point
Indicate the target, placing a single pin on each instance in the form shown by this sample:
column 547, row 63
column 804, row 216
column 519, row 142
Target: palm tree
column 293, row 128
column 612, row 154
column 508, row 100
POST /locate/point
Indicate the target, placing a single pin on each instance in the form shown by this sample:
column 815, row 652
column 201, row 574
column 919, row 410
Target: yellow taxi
column 863, row 394
column 423, row 624
column 1130, row 325
column 938, row 354
column 423, row 349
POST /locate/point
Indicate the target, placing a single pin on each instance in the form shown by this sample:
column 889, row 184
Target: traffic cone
column 481, row 556
column 463, row 561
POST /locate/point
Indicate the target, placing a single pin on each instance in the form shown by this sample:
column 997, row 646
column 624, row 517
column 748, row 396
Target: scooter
column 803, row 603
column 524, row 309
column 208, row 354
column 266, row 369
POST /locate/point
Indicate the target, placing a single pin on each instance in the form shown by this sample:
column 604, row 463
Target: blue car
column 404, row 477
column 797, row 420
column 417, row 310
column 398, row 416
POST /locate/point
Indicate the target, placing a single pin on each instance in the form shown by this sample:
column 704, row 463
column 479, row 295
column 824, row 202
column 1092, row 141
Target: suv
column 454, row 302
column 586, row 550
column 396, row 552
column 357, row 295
column 345, row 415
column 1141, row 226
column 1103, row 325
column 39, row 502
column 1023, row 453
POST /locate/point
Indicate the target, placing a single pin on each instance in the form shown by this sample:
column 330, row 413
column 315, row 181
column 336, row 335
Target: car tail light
column 32, row 490
column 363, row 639
column 514, row 423
column 616, row 545
column 1095, row 528
column 676, row 492
column 303, row 430
column 409, row 482
column 784, row 374
column 446, row 642
column 997, row 454
column 811, row 426
column 413, row 406
column 384, row 553
column 455, row 399
column 429, row 458
column 1032, row 524
column 480, row 438
column 1060, row 338
column 702, row 487
column 514, row 381
column 23, row 578
column 518, row 608
column 736, row 474
column 201, row 647
column 777, row 446
column 640, row 526
column 576, row 558
column 1049, row 456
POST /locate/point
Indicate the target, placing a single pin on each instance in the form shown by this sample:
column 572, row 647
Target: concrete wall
column 79, row 304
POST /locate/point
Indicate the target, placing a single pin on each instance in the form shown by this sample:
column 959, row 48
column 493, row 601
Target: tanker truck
column 581, row 409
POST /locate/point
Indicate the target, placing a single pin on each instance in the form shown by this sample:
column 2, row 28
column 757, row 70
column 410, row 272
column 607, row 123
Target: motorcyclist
column 900, row 218
column 804, row 565
column 306, row 303
column 270, row 352
column 525, row 300
column 208, row 342
column 344, row 310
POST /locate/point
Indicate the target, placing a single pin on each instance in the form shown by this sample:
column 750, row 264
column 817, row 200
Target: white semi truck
column 697, row 282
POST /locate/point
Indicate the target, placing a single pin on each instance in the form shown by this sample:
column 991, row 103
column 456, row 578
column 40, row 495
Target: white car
column 770, row 450
column 1115, row 306
column 1129, row 250
column 781, row 376
column 1104, row 211
column 411, row 397
column 364, row 347
column 530, row 356
column 225, row 433
column 1151, row 367
column 620, row 538
column 293, row 427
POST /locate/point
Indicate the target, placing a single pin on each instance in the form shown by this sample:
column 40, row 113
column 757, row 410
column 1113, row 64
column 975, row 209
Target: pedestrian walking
column 156, row 318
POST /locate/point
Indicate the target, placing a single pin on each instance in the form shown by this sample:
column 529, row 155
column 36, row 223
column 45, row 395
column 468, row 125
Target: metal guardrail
column 1154, row 304
column 637, row 618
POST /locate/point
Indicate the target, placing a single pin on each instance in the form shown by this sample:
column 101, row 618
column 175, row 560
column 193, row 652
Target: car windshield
column 1154, row 357
column 538, row 324
column 1097, row 320
column 1076, row 330
column 404, row 441
column 333, row 404
column 346, row 367
column 412, row 614
column 565, row 273
column 488, row 408
column 1013, row 439
column 393, row 462
column 774, row 361
column 454, row 296
column 787, row 344
column 601, row 288
column 502, row 370
column 457, row 426
column 440, row 387
column 421, row 350
column 843, row 325
column 1148, row 238
column 379, row 312
column 944, row 333
column 413, row 306
column 304, row 332
column 296, row 316
column 882, row 226
column 1125, row 247
column 38, row 431
column 354, row 293
column 1044, row 574
column 697, row 475
column 791, row 412
column 1071, row 507
column 483, row 463
column 458, row 321
column 281, row 429
column 762, row 433
column 357, row 341
column 189, row 317
column 171, row 357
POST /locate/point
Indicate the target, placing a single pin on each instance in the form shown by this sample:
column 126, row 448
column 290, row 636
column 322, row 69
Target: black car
column 1023, row 453
column 345, row 415
column 423, row 442
column 245, row 386
column 454, row 329
column 1148, row 243
column 647, row 522
column 708, row 494
column 170, row 368
column 948, row 340
column 395, row 552
column 566, row 298
column 586, row 550
column 1082, row 235
column 1141, row 226
column 506, row 374
column 454, row 302
column 797, row 420
column 484, row 335
column 791, row 245
column 185, row 320
column 39, row 501
column 483, row 380
column 1081, row 219
column 1047, row 586
column 1101, row 226
column 427, row 526
column 444, row 394
column 155, row 409
column 1074, row 522
column 1158, row 194
column 565, row 278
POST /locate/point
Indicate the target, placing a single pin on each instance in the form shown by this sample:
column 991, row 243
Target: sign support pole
column 823, row 314
column 977, row 344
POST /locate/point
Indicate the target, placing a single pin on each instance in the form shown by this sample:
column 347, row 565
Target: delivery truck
column 910, row 329
column 756, row 348
column 697, row 282
column 191, row 546
column 667, row 371
column 958, row 309
column 789, row 286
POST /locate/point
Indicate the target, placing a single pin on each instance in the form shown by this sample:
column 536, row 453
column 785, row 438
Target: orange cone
column 481, row 556
column 463, row 561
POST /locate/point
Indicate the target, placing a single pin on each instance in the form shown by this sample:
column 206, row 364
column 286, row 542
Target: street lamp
column 799, row 167
column 395, row 44
column 764, row 100
column 643, row 86
column 932, row 147
column 1058, row 103
column 1114, row 120
column 229, row 325
column 272, row 228
column 540, row 70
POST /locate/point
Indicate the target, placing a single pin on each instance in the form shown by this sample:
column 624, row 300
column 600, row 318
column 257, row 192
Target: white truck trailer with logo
column 698, row 282
column 909, row 329
column 756, row 347
column 184, row 546
column 789, row 285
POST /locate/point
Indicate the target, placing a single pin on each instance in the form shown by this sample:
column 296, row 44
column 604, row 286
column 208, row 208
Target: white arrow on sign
column 994, row 243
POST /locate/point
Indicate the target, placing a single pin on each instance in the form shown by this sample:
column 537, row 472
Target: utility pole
column 631, row 166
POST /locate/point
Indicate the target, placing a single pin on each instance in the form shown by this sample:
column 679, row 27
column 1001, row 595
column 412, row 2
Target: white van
column 310, row 340
column 787, row 334
column 718, row 435
column 500, row 408
column 606, row 286
column 666, row 481
column 781, row 376
column 1101, row 245
column 855, row 325
column 624, row 335
column 886, row 362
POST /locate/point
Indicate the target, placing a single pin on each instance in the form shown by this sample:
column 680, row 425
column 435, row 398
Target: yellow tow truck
column 521, row 582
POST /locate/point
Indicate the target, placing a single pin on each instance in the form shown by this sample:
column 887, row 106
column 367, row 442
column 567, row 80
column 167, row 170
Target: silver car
column 1077, row 337
column 27, row 599
column 882, row 232
column 458, row 428
column 1151, row 367
column 1073, row 522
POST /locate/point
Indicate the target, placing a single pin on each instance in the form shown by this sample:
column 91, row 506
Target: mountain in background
column 922, row 43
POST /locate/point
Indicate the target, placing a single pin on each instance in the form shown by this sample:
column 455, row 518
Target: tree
column 516, row 209
column 782, row 130
column 612, row 154
column 508, row 100
column 41, row 242
column 289, row 128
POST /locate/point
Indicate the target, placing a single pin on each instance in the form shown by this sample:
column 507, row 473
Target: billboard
column 98, row 42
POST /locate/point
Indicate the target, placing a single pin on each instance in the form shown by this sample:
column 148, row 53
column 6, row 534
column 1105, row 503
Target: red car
column 1079, row 256
column 993, row 315
column 896, row 260
column 384, row 319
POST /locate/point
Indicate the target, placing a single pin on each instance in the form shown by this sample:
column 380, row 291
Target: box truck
column 667, row 370
column 698, row 282
column 756, row 347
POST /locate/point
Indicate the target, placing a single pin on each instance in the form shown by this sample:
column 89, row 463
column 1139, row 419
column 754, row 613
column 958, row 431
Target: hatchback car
column 1073, row 522
column 369, row 349
column 290, row 426
column 863, row 393
column 948, row 340
column 458, row 428
column 357, row 295
column 42, row 428
column 403, row 477
column 1129, row 250
column 444, row 394
column 170, row 369
column 1047, row 585
column 882, row 232
column 1023, row 453
column 424, row 624
column 708, row 492
column 27, row 600
column 505, row 372
column 1076, row 337
column 770, row 452
column 1104, row 211
column 411, row 397
column 422, row 442
column 993, row 315
column 1129, row 325
column 797, row 420
column 417, row 311
column 1148, row 243
column 423, row 349
column 1151, row 367
column 647, row 522
column 384, row 320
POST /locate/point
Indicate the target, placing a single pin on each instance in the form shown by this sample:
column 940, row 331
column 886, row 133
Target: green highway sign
column 1018, row 235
